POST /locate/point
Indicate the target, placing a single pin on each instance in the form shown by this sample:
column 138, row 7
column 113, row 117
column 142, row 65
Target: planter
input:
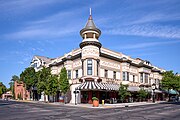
column 95, row 103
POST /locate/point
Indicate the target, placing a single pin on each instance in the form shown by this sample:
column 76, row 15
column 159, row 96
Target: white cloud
column 22, row 6
column 155, row 17
column 146, row 30
column 53, row 26
column 146, row 45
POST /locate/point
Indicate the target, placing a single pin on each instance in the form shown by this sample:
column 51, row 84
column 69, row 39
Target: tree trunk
column 44, row 97
column 168, row 95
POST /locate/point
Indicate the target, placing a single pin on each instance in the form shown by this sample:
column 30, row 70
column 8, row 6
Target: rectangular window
column 89, row 67
column 114, row 75
column 150, row 81
column 69, row 74
column 97, row 68
column 141, row 77
column 76, row 73
column 146, row 78
column 124, row 76
column 127, row 76
column 157, row 82
column 106, row 73
column 133, row 78
column 34, row 65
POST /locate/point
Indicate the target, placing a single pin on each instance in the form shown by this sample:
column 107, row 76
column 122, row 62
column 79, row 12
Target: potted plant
column 95, row 102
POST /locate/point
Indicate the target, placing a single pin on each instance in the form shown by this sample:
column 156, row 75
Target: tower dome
column 90, row 27
column 90, row 33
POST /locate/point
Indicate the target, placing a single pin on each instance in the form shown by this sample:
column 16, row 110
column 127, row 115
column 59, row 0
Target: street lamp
column 76, row 92
column 153, row 88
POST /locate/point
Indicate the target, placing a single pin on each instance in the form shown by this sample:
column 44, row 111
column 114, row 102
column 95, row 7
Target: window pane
column 114, row 75
column 76, row 73
column 89, row 67
column 124, row 76
column 69, row 74
column 106, row 73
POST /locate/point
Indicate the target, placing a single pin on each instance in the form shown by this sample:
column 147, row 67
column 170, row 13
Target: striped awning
column 91, row 85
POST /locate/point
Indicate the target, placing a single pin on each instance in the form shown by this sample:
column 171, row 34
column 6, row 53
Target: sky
column 146, row 29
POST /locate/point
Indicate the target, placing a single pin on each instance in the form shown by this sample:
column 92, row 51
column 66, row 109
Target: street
column 12, row 110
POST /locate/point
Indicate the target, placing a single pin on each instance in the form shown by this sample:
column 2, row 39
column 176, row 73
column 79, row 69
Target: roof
column 90, row 26
column 45, row 59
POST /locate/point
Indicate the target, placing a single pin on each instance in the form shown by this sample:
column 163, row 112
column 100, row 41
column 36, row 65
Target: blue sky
column 149, row 29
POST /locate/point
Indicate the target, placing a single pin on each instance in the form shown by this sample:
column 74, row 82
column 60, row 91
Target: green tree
column 11, row 84
column 170, row 81
column 123, row 92
column 2, row 89
column 142, row 94
column 43, row 77
column 28, row 76
column 52, row 85
column 64, row 82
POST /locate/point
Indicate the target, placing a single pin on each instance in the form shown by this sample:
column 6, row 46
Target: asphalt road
column 12, row 110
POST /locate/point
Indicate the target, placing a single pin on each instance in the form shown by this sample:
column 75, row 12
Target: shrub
column 95, row 98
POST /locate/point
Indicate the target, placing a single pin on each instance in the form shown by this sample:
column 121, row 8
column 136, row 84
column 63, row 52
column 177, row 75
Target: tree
column 28, row 76
column 123, row 93
column 64, row 82
column 170, row 81
column 2, row 89
column 142, row 94
column 11, row 84
column 52, row 85
column 43, row 77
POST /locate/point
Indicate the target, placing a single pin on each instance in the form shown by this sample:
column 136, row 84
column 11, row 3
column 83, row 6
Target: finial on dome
column 90, row 12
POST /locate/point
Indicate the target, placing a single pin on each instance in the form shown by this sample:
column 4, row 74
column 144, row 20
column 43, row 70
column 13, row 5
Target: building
column 97, row 71
column 20, row 91
column 7, row 95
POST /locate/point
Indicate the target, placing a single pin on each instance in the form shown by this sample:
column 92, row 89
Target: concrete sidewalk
column 100, row 105
column 114, row 105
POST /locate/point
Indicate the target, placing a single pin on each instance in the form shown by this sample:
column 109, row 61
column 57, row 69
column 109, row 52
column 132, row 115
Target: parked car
column 173, row 98
column 6, row 99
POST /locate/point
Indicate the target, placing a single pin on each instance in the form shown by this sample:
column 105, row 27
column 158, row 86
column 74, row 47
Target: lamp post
column 153, row 88
column 76, row 92
column 75, row 96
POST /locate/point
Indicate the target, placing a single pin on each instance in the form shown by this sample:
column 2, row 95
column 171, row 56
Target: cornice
column 82, row 44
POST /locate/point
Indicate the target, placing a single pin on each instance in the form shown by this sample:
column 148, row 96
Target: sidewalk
column 114, row 105
column 100, row 105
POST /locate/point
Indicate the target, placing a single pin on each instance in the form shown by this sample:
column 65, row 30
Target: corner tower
column 90, row 47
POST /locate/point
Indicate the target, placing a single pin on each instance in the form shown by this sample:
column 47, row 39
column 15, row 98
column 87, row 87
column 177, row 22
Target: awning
column 156, row 90
column 173, row 92
column 91, row 85
column 133, row 88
